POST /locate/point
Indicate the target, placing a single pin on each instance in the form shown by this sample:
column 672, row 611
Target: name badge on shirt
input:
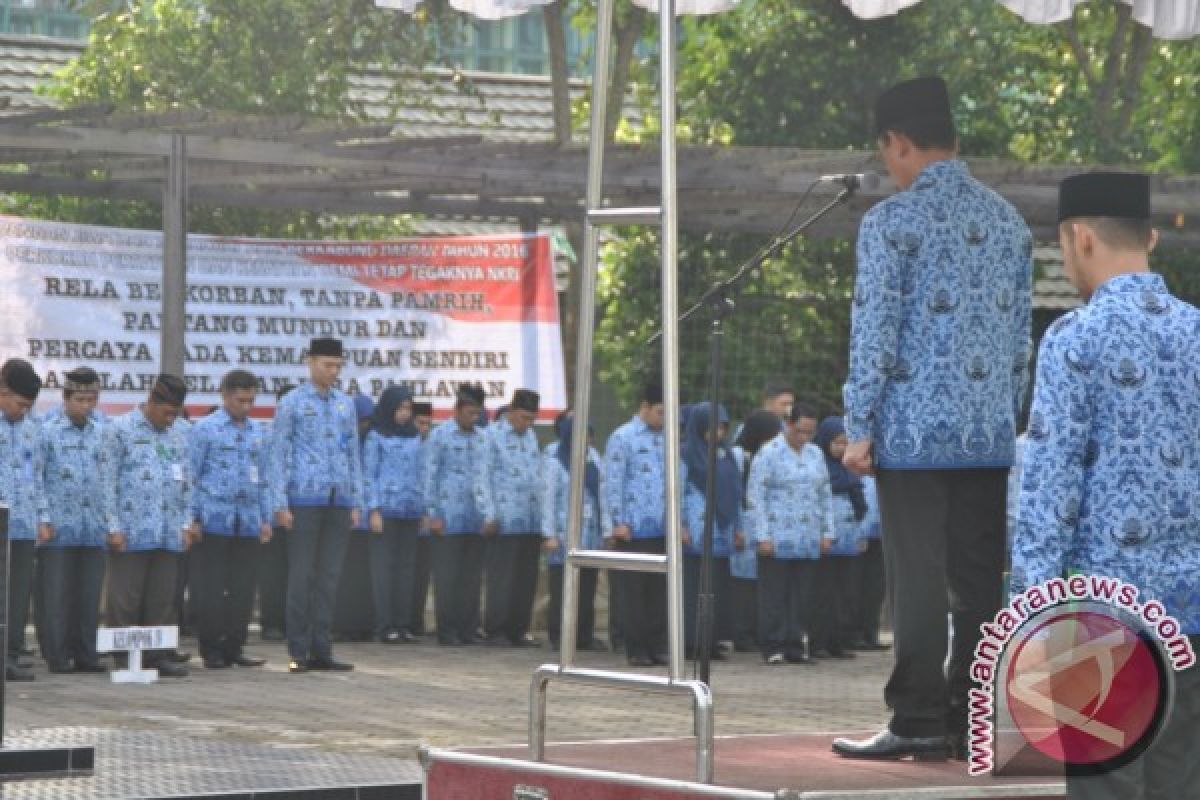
column 177, row 472
column 253, row 474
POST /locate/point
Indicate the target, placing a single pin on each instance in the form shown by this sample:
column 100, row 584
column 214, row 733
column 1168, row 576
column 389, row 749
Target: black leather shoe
column 272, row 635
column 61, row 668
column 17, row 673
column 172, row 669
column 658, row 658
column 329, row 665
column 871, row 646
column 640, row 661
column 176, row 657
column 296, row 666
column 887, row 746
column 842, row 654
column 93, row 668
column 242, row 660
column 527, row 641
column 215, row 662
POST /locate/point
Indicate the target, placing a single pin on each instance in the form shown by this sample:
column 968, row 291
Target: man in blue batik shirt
column 71, row 564
column 1109, row 484
column 317, row 497
column 634, row 508
column 21, row 489
column 232, row 506
column 148, row 512
column 453, row 455
column 508, row 491
column 938, row 359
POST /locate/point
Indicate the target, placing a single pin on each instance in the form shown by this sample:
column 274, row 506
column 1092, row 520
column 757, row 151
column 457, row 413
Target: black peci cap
column 1125, row 195
column 911, row 100
column 326, row 347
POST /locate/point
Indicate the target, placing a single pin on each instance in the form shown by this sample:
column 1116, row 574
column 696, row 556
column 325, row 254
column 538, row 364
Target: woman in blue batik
column 556, row 479
column 727, row 522
column 791, row 512
column 837, row 572
column 392, row 474
column 760, row 427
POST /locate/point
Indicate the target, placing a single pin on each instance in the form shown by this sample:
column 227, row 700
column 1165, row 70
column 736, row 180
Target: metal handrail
column 666, row 216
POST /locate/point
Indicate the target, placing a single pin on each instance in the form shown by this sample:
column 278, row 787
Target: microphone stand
column 719, row 299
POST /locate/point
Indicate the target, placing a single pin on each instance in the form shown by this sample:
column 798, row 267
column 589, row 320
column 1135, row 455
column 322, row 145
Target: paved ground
column 403, row 696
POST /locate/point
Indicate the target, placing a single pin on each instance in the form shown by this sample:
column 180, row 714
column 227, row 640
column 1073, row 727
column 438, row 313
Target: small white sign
column 133, row 641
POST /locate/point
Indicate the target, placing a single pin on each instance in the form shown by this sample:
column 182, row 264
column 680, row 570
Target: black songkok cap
column 525, row 400
column 422, row 409
column 915, row 99
column 18, row 376
column 169, row 389
column 82, row 379
column 325, row 347
column 470, row 394
column 1105, row 194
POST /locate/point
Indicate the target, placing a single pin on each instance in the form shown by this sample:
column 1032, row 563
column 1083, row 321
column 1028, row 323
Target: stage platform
column 148, row 765
column 768, row 767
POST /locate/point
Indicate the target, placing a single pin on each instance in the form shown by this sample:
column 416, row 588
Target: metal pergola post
column 670, row 563
column 174, row 274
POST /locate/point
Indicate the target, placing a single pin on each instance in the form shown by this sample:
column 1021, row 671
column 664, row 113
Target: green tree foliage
column 266, row 57
column 804, row 73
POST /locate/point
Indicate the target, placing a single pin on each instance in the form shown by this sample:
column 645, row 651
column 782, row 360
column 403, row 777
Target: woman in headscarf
column 837, row 572
column 556, row 481
column 726, row 505
column 759, row 428
column 392, row 477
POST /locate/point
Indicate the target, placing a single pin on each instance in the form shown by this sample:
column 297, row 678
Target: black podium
column 15, row 763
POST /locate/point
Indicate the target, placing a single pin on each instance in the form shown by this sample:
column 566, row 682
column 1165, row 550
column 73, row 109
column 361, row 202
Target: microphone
column 852, row 180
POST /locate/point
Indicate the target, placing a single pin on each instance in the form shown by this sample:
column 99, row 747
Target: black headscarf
column 591, row 475
column 383, row 421
column 729, row 487
column 760, row 427
column 841, row 480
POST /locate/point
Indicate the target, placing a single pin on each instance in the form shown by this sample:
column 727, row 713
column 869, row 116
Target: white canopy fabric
column 1169, row 19
column 499, row 9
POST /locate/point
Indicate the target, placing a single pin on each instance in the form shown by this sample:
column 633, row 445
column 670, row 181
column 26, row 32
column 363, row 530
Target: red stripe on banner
column 506, row 278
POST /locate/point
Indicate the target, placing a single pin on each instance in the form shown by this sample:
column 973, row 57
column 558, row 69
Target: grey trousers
column 70, row 580
column 943, row 547
column 141, row 591
column 316, row 548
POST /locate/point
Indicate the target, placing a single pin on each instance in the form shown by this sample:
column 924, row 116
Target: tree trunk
column 627, row 36
column 556, row 42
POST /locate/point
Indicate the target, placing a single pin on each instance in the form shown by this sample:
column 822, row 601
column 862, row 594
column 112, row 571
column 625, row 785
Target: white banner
column 430, row 313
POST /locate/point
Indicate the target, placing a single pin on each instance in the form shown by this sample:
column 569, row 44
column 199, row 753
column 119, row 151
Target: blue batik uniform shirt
column 1110, row 483
column 394, row 475
column 941, row 325
column 452, row 457
column 147, row 489
column 635, row 481
column 73, row 481
column 790, row 501
column 21, row 465
column 317, row 459
column 230, row 465
column 556, row 491
column 508, row 482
